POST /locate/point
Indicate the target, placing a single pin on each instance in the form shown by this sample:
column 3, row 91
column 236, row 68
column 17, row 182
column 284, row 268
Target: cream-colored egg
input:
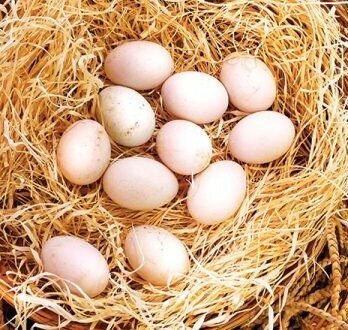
column 195, row 96
column 140, row 183
column 84, row 152
column 127, row 116
column 156, row 255
column 249, row 82
column 76, row 261
column 184, row 147
column 216, row 193
column 140, row 65
column 261, row 137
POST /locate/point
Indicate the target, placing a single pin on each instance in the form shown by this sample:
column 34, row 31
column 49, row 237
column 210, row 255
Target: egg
column 76, row 261
column 127, row 116
column 184, row 147
column 194, row 96
column 249, row 82
column 216, row 193
column 156, row 255
column 84, row 152
column 140, row 65
column 261, row 137
column 140, row 183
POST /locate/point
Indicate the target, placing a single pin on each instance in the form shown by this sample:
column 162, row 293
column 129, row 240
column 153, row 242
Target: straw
column 51, row 62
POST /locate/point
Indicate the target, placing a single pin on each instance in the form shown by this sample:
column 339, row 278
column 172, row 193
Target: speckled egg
column 127, row 116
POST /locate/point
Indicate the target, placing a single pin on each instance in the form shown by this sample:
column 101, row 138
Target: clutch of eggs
column 217, row 190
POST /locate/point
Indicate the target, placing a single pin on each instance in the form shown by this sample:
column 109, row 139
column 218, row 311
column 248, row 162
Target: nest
column 51, row 65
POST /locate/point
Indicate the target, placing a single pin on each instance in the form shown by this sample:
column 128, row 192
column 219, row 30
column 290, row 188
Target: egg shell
column 77, row 261
column 127, row 116
column 184, row 147
column 140, row 183
column 216, row 193
column 140, row 65
column 156, row 255
column 84, row 152
column 261, row 137
column 195, row 96
column 249, row 82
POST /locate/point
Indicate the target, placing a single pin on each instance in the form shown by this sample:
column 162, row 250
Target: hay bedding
column 51, row 65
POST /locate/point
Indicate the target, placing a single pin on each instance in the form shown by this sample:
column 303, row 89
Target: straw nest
column 51, row 65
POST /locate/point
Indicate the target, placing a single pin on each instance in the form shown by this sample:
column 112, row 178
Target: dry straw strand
column 51, row 61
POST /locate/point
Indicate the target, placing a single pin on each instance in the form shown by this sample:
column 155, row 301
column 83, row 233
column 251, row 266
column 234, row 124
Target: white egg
column 76, row 261
column 140, row 183
column 139, row 65
column 84, row 152
column 184, row 147
column 249, row 82
column 156, row 255
column 217, row 193
column 261, row 137
column 195, row 96
column 127, row 116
